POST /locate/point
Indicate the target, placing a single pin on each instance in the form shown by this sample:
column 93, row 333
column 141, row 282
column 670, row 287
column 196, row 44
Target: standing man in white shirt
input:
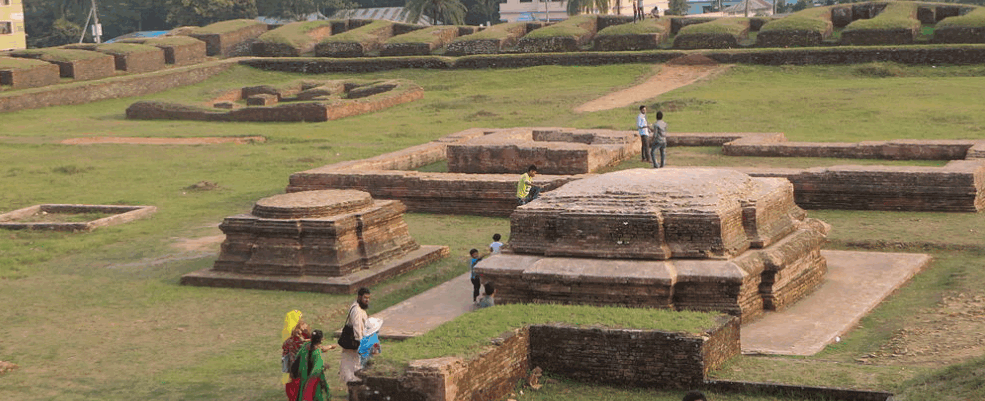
column 350, row 363
column 644, row 133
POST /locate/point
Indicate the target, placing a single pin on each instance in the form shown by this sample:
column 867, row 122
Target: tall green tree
column 449, row 12
column 204, row 12
column 482, row 11
column 576, row 7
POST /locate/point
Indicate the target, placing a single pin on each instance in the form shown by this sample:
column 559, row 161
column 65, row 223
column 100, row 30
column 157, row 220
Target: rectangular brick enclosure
column 957, row 187
column 648, row 358
column 43, row 217
column 27, row 73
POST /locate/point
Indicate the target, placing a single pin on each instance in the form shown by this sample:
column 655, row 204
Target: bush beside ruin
column 292, row 40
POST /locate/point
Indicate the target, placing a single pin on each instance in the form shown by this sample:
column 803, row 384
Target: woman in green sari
column 311, row 369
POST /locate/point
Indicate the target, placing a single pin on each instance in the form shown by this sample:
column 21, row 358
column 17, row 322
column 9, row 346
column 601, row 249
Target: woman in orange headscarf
column 294, row 334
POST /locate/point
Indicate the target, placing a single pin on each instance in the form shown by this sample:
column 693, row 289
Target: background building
column 556, row 10
column 12, row 25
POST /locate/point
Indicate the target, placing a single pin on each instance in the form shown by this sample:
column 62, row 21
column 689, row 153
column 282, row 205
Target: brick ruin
column 688, row 238
column 487, row 186
column 320, row 241
column 554, row 151
column 43, row 217
column 312, row 101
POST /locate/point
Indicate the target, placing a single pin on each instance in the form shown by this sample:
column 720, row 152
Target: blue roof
column 139, row 34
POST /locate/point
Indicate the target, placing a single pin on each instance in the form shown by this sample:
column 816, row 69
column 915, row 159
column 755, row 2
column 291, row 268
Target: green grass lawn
column 99, row 316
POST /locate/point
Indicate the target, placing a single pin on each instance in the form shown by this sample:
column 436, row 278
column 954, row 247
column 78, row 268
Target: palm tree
column 450, row 12
column 576, row 7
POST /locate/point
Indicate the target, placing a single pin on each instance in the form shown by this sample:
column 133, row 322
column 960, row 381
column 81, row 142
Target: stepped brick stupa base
column 686, row 238
column 331, row 241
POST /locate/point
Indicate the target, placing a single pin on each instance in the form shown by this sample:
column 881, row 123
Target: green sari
column 313, row 384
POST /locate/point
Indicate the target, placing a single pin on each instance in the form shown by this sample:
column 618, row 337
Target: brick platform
column 325, row 241
column 697, row 239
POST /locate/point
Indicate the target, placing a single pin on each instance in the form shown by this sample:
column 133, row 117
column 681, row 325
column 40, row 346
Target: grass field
column 99, row 316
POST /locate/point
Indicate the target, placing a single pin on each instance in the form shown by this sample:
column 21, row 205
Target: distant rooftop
column 395, row 14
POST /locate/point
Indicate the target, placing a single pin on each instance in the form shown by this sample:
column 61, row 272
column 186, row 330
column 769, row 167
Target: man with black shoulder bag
column 352, row 333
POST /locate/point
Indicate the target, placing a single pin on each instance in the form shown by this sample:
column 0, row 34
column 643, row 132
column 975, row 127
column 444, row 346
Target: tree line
column 56, row 22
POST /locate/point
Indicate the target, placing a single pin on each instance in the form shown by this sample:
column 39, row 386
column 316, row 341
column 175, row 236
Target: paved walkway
column 856, row 282
column 421, row 313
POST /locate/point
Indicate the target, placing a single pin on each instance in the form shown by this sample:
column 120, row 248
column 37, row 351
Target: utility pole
column 97, row 30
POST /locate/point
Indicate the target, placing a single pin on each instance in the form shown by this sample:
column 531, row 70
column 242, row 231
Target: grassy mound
column 126, row 48
column 14, row 63
column 647, row 26
column 55, row 54
column 721, row 26
column 811, row 19
column 362, row 34
column 427, row 35
column 225, row 27
column 294, row 34
column 897, row 15
column 569, row 28
column 974, row 19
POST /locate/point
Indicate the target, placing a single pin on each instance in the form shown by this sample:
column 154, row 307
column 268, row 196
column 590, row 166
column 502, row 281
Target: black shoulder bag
column 348, row 338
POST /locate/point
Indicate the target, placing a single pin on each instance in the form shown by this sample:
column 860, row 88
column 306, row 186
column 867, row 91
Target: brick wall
column 43, row 74
column 227, row 43
column 112, row 88
column 136, row 63
column 644, row 358
column 614, row 356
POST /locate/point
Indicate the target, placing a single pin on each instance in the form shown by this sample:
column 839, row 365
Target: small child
column 487, row 300
column 473, row 259
column 495, row 246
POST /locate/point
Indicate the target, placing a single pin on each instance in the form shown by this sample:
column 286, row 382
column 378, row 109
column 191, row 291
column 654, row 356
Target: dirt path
column 670, row 77
column 161, row 141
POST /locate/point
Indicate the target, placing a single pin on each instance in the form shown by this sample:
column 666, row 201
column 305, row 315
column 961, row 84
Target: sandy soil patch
column 671, row 76
column 161, row 141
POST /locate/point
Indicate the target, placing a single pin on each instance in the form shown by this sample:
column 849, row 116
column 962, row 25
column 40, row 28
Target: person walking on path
column 659, row 141
column 311, row 370
column 473, row 276
column 349, row 363
column 526, row 191
column 644, row 134
column 294, row 334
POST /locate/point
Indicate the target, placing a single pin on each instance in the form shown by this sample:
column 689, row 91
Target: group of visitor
column 488, row 295
column 302, row 364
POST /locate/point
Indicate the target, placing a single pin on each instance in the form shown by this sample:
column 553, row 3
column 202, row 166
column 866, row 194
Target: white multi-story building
column 555, row 10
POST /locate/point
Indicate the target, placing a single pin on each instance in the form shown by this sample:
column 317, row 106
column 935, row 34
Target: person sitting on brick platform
column 526, row 192
column 487, row 300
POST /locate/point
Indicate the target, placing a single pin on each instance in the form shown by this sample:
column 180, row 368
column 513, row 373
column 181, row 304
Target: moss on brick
column 362, row 34
column 225, row 27
column 468, row 334
column 495, row 32
column 294, row 34
column 897, row 15
column 647, row 26
column 974, row 19
column 126, row 48
column 14, row 63
column 56, row 54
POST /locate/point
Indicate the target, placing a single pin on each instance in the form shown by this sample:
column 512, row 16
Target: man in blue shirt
column 644, row 133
